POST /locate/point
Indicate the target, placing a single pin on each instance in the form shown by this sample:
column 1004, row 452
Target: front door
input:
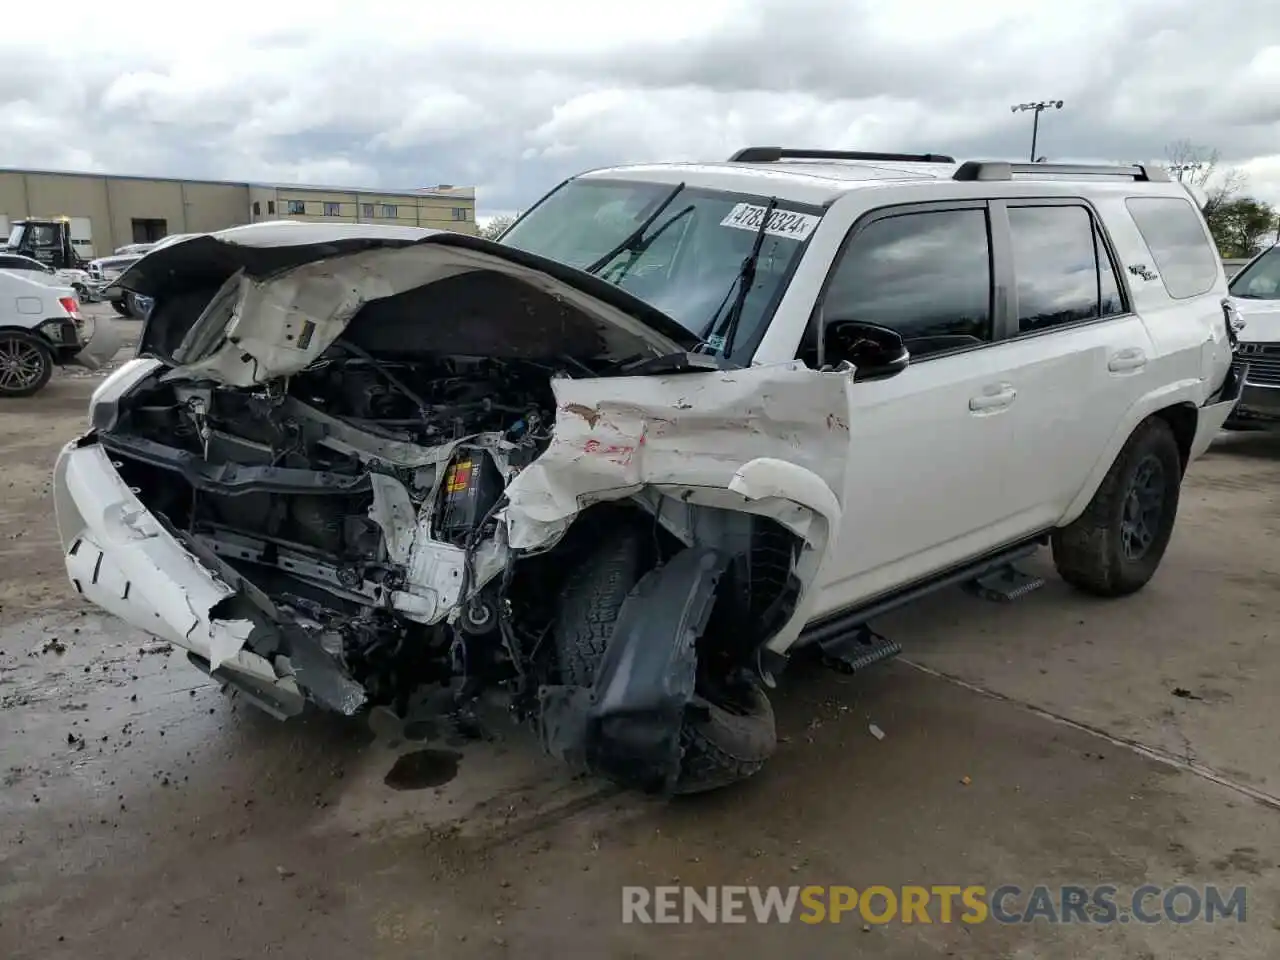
column 924, row 484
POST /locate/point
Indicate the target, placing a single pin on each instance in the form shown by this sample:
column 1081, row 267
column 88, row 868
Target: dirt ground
column 1055, row 740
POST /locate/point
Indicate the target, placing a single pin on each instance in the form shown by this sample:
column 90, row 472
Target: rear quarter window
column 1174, row 233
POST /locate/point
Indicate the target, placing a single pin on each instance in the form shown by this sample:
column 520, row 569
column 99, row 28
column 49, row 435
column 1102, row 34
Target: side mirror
column 876, row 352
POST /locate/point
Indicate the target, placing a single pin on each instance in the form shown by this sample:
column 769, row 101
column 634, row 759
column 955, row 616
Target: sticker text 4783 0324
column 782, row 223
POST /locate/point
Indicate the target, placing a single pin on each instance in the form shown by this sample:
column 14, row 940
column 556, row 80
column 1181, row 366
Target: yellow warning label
column 458, row 477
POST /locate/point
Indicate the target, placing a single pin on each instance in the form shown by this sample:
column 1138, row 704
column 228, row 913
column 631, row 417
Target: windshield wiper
column 639, row 249
column 637, row 233
column 746, row 276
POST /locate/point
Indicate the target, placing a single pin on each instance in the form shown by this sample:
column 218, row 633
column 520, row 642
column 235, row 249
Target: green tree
column 1241, row 225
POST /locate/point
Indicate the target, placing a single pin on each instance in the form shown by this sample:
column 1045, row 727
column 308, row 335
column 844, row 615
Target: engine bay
column 360, row 495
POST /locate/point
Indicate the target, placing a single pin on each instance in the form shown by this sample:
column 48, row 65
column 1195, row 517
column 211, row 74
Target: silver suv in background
column 1255, row 301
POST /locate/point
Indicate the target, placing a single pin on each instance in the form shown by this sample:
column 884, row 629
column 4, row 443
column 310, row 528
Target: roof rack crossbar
column 1003, row 170
column 774, row 154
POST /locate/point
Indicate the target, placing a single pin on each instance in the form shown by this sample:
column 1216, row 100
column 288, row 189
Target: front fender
column 766, row 481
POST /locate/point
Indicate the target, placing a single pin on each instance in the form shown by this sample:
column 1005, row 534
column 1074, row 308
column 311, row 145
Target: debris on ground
column 54, row 645
column 876, row 732
column 966, row 780
column 1185, row 694
column 160, row 647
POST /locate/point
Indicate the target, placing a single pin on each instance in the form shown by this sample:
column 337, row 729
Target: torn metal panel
column 688, row 435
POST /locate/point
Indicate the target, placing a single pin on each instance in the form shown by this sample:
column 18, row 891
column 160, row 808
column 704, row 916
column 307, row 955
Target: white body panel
column 888, row 483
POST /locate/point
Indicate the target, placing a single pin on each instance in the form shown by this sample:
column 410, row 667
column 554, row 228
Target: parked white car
column 41, row 327
column 682, row 422
column 1255, row 298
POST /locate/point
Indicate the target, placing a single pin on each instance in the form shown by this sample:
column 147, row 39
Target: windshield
column 15, row 235
column 686, row 260
column 1260, row 280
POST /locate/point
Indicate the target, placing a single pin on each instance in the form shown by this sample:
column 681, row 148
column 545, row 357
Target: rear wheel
column 26, row 364
column 1116, row 545
column 121, row 307
column 728, row 733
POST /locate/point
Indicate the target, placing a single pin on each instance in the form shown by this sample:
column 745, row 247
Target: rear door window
column 1063, row 270
column 1175, row 235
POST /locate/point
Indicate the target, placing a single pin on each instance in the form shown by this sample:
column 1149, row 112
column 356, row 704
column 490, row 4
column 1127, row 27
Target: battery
column 472, row 485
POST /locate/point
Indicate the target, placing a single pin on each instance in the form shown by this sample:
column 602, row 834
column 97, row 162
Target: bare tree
column 1200, row 166
column 495, row 227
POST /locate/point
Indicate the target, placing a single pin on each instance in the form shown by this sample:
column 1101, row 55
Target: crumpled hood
column 276, row 295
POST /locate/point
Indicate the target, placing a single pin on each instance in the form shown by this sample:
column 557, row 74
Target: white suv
column 680, row 423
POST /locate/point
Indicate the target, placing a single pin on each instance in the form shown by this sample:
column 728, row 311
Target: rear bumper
column 1218, row 409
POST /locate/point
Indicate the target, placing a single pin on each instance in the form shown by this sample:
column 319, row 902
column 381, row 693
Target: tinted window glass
column 1187, row 262
column 21, row 263
column 1260, row 280
column 1055, row 259
column 926, row 275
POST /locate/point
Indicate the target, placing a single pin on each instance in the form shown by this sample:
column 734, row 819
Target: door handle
column 1123, row 361
column 995, row 396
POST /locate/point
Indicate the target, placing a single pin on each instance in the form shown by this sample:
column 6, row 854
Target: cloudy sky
column 513, row 96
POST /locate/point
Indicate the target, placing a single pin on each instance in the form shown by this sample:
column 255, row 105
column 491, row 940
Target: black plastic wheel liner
column 626, row 726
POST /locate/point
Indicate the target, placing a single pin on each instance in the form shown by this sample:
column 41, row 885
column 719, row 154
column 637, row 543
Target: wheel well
column 1183, row 419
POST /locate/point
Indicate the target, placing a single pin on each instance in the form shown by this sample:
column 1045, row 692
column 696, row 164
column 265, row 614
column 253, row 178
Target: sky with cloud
column 513, row 97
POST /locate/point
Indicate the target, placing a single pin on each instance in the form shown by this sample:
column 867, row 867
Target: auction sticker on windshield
column 782, row 223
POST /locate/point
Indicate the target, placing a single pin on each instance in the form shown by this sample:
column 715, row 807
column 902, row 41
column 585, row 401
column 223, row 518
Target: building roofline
column 457, row 193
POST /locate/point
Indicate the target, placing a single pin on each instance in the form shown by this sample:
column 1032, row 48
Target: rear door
column 1082, row 358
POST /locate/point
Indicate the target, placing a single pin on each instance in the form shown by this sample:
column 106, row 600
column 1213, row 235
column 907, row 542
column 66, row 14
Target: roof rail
column 1003, row 170
column 774, row 154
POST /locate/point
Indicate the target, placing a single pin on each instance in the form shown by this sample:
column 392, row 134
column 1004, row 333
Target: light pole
column 1037, row 107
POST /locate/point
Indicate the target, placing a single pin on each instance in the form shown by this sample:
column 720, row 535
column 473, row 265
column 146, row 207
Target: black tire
column 1116, row 545
column 724, row 744
column 590, row 601
column 26, row 364
column 122, row 307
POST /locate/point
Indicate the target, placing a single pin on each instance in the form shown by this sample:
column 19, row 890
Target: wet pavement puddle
column 423, row 768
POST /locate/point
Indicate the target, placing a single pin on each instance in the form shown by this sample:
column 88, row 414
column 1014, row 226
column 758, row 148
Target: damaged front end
column 360, row 469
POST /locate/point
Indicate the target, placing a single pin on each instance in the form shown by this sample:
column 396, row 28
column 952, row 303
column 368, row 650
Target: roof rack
column 774, row 154
column 1002, row 170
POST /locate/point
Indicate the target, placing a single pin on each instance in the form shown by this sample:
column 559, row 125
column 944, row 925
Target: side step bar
column 848, row 644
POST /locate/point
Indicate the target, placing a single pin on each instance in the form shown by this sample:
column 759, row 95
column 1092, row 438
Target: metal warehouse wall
column 112, row 204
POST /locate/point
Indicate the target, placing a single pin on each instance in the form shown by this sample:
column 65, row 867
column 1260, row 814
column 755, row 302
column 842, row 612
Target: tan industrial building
column 123, row 209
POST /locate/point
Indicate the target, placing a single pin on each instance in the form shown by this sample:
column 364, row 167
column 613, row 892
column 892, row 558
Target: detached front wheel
column 728, row 740
column 26, row 364
column 728, row 732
